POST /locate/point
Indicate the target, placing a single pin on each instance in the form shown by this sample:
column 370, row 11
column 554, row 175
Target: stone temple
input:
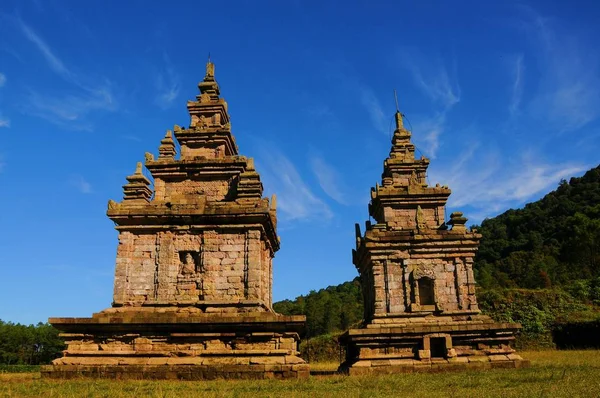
column 193, row 281
column 416, row 272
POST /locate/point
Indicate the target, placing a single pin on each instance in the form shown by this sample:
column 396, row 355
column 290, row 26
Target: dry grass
column 553, row 374
column 328, row 366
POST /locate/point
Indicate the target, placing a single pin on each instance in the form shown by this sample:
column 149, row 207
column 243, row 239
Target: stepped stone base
column 159, row 343
column 176, row 372
column 434, row 365
column 432, row 343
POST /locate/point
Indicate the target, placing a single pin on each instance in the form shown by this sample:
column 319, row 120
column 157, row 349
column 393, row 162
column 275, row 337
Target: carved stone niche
column 189, row 263
column 437, row 345
column 190, row 283
column 424, row 298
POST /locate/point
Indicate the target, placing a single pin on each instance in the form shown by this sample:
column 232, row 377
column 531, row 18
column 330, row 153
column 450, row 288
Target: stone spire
column 401, row 165
column 249, row 185
column 209, row 85
column 219, row 192
column 167, row 150
column 399, row 124
column 209, row 134
column 404, row 200
column 138, row 186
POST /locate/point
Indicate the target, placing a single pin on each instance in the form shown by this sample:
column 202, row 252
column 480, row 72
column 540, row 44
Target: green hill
column 554, row 241
column 329, row 310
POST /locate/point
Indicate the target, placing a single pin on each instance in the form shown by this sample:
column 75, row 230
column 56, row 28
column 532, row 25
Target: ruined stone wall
column 225, row 260
column 266, row 274
column 442, row 272
column 401, row 218
column 189, row 266
column 206, row 152
column 135, row 268
column 406, row 178
column 212, row 190
column 368, row 291
column 390, row 285
column 183, row 346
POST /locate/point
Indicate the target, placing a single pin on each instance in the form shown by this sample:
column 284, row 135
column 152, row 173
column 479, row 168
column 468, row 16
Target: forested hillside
column 28, row 345
column 329, row 310
column 552, row 242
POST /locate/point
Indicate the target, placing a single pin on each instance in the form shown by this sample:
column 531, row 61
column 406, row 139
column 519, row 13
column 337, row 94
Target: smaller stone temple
column 194, row 270
column 416, row 272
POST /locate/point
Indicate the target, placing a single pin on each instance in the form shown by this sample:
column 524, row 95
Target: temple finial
column 399, row 123
column 138, row 168
column 210, row 68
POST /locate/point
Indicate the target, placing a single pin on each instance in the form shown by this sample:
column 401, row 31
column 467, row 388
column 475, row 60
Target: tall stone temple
column 193, row 280
column 416, row 272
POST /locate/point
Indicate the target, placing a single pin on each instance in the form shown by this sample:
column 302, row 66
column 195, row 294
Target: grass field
column 552, row 374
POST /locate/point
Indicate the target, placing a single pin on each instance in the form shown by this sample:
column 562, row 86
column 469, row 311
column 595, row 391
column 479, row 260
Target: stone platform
column 434, row 343
column 179, row 343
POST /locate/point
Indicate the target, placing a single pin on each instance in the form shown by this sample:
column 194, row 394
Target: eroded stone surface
column 193, row 277
column 416, row 273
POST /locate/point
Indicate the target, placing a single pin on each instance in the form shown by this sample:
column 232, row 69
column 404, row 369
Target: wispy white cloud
column 373, row 106
column 167, row 85
column 68, row 110
column 4, row 122
column 568, row 97
column 427, row 133
column 81, row 184
column 295, row 199
column 329, row 179
column 442, row 88
column 517, row 85
column 432, row 78
column 53, row 61
column 489, row 182
column 354, row 87
column 130, row 137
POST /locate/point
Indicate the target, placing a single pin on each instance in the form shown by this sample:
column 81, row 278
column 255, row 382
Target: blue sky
column 504, row 97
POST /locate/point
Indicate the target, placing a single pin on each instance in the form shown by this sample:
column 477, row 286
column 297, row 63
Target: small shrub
column 324, row 348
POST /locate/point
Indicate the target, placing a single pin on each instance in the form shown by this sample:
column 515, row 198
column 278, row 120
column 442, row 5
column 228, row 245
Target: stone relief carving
column 204, row 98
column 413, row 179
column 420, row 218
column 188, row 261
column 422, row 271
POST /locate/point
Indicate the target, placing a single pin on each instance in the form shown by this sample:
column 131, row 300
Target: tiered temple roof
column 193, row 278
column 416, row 272
column 404, row 188
column 210, row 194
